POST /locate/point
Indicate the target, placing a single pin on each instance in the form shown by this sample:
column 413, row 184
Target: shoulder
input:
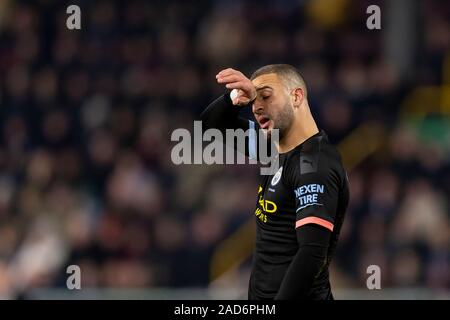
column 316, row 157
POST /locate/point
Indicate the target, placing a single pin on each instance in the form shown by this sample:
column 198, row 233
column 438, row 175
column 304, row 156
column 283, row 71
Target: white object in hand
column 233, row 94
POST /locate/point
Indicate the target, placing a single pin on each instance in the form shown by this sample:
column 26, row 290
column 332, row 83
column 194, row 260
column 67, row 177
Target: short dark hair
column 289, row 74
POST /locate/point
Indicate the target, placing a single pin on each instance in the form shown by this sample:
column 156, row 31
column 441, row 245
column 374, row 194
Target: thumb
column 234, row 95
column 242, row 101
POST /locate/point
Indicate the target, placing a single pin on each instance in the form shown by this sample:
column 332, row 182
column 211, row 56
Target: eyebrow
column 264, row 87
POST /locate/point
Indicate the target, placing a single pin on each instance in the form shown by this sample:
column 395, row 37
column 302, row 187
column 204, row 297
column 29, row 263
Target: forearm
column 306, row 264
column 300, row 276
column 221, row 114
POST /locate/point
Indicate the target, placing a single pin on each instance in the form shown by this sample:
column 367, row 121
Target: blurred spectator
column 86, row 118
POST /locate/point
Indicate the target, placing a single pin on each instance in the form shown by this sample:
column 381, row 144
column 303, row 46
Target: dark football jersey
column 310, row 187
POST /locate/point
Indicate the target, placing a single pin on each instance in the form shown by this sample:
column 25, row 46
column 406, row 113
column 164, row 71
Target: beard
column 283, row 121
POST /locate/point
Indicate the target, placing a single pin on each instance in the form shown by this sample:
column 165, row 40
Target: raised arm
column 223, row 113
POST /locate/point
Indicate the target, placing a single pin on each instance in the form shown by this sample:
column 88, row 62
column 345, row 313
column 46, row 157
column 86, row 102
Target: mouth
column 263, row 121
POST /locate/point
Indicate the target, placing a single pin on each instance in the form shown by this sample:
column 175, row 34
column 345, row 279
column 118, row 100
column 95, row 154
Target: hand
column 234, row 79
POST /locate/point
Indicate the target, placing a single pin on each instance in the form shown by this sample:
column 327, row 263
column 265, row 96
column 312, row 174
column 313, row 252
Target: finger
column 227, row 72
column 244, row 87
column 241, row 101
column 229, row 78
column 236, row 85
column 236, row 101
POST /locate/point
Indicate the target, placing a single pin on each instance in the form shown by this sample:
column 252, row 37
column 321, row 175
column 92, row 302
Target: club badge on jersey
column 277, row 177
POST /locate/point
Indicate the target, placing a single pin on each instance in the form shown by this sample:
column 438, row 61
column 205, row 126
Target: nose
column 257, row 106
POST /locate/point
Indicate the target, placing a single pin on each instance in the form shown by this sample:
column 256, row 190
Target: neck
column 302, row 128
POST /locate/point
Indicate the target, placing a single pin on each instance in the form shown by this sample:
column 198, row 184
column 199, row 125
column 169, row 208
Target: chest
column 275, row 200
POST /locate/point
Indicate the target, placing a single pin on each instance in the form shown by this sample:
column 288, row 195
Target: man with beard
column 301, row 207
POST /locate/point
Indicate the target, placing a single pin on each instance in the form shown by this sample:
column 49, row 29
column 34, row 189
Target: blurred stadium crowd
column 86, row 116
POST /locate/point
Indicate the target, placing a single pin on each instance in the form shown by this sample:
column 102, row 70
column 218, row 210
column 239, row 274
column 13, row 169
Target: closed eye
column 264, row 93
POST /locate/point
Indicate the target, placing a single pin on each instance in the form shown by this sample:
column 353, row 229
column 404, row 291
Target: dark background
column 86, row 118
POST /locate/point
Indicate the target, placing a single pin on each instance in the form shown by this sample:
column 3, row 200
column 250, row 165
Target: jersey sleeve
column 316, row 188
column 221, row 114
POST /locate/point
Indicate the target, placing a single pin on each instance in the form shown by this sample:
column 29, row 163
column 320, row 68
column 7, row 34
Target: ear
column 298, row 96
